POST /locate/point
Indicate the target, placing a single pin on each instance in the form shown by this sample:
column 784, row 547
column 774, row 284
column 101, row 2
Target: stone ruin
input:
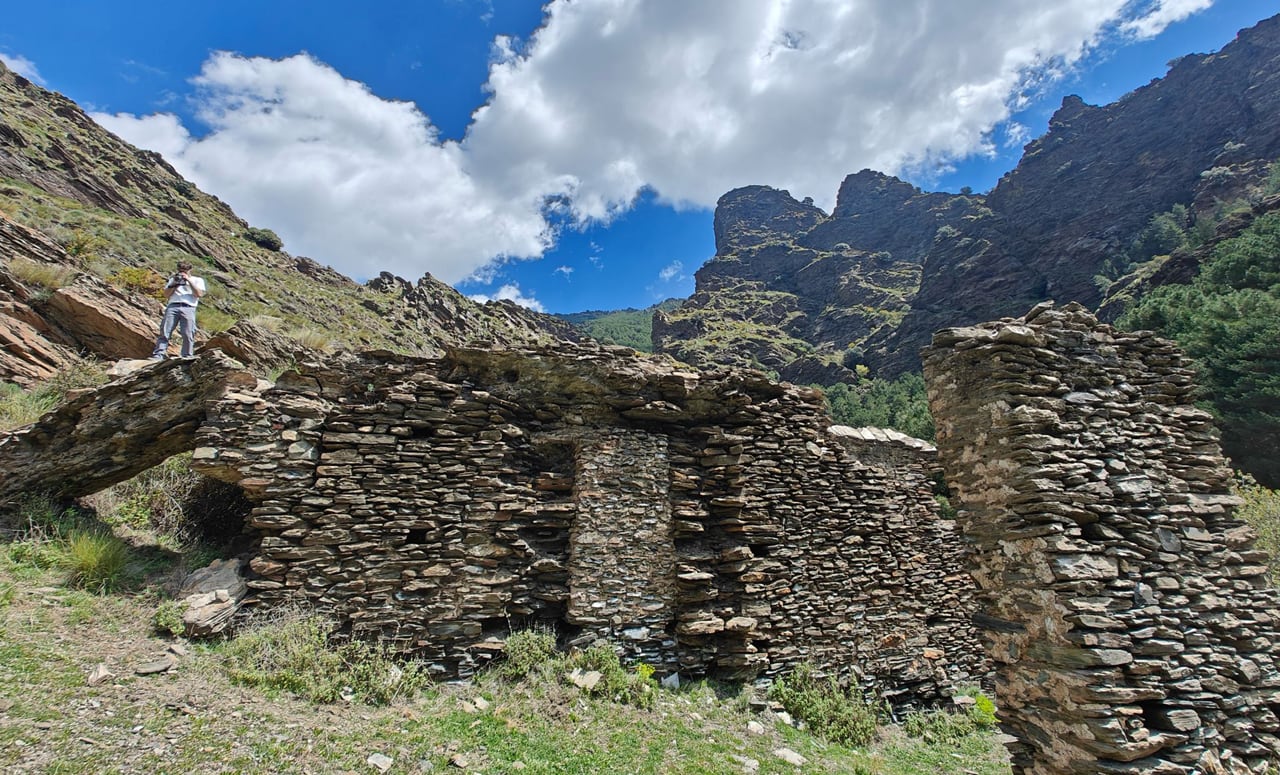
column 715, row 524
column 1124, row 607
column 708, row 523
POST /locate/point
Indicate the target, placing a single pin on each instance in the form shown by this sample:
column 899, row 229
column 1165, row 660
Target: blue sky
column 568, row 156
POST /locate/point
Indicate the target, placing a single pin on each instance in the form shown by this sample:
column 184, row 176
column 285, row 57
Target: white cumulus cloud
column 611, row 98
column 1162, row 13
column 22, row 66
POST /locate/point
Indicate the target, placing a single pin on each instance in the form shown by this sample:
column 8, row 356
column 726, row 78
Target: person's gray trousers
column 182, row 317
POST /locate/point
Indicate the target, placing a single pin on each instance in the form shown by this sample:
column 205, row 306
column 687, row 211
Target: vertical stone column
column 1122, row 603
column 621, row 547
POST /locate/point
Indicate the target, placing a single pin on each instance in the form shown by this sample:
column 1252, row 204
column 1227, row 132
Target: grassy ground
column 195, row 719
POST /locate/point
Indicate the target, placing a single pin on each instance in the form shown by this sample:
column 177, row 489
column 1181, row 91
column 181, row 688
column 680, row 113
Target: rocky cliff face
column 96, row 216
column 892, row 264
column 792, row 289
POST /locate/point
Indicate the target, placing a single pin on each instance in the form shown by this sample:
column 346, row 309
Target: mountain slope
column 109, row 211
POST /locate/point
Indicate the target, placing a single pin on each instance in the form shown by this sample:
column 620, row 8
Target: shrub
column 95, row 561
column 140, row 279
column 83, row 245
column 291, row 651
column 637, row 687
column 264, row 238
column 842, row 717
column 526, row 651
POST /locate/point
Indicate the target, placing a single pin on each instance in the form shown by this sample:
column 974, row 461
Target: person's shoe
column 156, row 358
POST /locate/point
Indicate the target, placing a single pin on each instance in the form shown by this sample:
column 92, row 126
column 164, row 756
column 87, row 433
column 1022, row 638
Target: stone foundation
column 1122, row 603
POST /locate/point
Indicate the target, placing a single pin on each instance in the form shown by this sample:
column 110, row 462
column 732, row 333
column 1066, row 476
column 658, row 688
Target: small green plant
column 168, row 617
column 842, row 717
column 527, row 651
column 291, row 651
column 636, row 687
column 264, row 238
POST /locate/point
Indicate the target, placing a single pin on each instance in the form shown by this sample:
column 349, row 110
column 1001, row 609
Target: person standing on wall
column 182, row 292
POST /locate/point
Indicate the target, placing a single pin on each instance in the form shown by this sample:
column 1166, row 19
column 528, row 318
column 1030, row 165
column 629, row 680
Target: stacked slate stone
column 1122, row 603
column 705, row 523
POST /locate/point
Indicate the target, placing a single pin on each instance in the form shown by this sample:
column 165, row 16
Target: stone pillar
column 621, row 547
column 1122, row 603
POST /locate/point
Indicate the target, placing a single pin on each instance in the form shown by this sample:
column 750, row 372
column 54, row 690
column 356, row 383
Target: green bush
column 264, row 238
column 292, row 652
column 842, row 717
column 636, row 687
column 1228, row 321
column 526, row 651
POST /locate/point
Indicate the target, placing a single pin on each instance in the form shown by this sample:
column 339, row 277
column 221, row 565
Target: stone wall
column 710, row 523
column 1122, row 603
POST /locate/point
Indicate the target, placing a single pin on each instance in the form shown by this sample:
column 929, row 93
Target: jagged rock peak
column 746, row 216
column 870, row 191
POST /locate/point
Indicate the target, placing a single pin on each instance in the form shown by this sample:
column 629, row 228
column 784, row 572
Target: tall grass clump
column 830, row 712
column 943, row 727
column 50, row 277
column 95, row 561
column 291, row 651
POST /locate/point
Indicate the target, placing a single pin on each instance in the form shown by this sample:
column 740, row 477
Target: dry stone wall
column 709, row 523
column 1123, row 604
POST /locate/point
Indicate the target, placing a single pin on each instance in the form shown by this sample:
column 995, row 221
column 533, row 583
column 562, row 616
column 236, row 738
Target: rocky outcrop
column 1123, row 604
column 708, row 523
column 107, row 435
column 790, row 283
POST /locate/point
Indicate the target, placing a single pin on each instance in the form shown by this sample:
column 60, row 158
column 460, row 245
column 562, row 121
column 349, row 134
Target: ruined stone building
column 714, row 523
column 707, row 522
